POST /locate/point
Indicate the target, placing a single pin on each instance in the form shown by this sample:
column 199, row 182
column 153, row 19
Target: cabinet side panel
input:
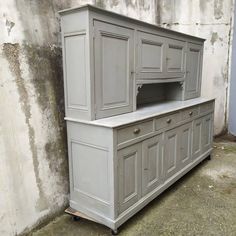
column 76, row 64
column 75, row 71
column 91, row 167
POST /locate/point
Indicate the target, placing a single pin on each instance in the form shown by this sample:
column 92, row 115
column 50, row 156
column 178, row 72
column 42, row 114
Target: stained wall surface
column 33, row 152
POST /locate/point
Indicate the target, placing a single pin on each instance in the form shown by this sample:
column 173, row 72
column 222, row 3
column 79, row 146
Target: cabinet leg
column 209, row 158
column 114, row 232
column 76, row 218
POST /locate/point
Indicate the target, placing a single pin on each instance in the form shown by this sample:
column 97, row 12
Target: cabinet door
column 197, row 138
column 175, row 58
column 207, row 135
column 114, row 66
column 185, row 144
column 129, row 169
column 171, row 152
column 151, row 56
column 151, row 163
column 193, row 71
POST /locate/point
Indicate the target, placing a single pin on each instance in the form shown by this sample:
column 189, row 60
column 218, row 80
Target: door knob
column 136, row 130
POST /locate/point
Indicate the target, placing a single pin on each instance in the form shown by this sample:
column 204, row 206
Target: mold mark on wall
column 45, row 64
column 100, row 3
column 214, row 38
column 218, row 9
column 12, row 54
column 131, row 3
column 9, row 25
column 158, row 13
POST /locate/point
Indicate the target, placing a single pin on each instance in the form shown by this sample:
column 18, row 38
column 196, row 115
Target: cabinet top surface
column 133, row 20
column 143, row 113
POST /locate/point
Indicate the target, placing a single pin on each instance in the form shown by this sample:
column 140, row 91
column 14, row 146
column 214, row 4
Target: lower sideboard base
column 76, row 208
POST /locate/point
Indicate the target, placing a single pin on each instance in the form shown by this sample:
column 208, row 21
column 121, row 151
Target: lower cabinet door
column 151, row 163
column 207, row 134
column 129, row 169
column 185, row 144
column 171, row 152
column 197, row 138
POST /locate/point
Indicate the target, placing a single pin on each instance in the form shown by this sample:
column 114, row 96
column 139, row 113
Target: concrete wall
column 33, row 158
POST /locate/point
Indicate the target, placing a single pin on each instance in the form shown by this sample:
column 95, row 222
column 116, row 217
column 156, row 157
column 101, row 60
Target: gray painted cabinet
column 135, row 120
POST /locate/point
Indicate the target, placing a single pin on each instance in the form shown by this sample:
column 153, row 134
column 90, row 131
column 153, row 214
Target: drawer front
column 134, row 131
column 206, row 107
column 190, row 112
column 167, row 121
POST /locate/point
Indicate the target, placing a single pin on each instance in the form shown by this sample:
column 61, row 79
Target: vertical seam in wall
column 229, row 59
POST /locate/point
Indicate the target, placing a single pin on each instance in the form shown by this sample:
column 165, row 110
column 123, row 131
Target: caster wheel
column 209, row 158
column 76, row 218
column 114, row 232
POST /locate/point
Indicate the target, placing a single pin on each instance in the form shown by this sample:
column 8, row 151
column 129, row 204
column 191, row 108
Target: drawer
column 190, row 112
column 167, row 121
column 206, row 107
column 134, row 131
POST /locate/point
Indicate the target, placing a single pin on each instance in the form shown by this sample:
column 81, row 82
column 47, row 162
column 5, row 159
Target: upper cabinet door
column 150, row 56
column 114, row 67
column 193, row 70
column 175, row 58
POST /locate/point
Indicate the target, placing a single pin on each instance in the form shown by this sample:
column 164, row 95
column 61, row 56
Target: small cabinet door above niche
column 151, row 56
column 159, row 58
column 175, row 58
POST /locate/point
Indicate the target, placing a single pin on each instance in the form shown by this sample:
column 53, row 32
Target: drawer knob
column 190, row 113
column 168, row 121
column 136, row 130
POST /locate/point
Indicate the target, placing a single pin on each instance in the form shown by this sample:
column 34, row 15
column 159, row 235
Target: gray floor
column 201, row 203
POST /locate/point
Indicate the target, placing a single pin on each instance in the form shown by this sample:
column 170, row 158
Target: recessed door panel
column 197, row 138
column 151, row 163
column 151, row 55
column 114, row 50
column 193, row 70
column 171, row 152
column 129, row 170
column 207, row 132
column 185, row 144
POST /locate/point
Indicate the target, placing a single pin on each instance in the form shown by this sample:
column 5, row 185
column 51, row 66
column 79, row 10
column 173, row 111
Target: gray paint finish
column 126, row 157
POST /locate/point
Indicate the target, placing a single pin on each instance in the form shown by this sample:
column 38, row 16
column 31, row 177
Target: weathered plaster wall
column 209, row 19
column 33, row 159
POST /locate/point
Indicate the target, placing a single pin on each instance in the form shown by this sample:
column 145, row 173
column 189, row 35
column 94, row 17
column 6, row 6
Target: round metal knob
column 168, row 121
column 136, row 130
column 190, row 113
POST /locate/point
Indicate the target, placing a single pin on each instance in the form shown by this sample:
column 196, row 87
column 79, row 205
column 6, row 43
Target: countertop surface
column 142, row 113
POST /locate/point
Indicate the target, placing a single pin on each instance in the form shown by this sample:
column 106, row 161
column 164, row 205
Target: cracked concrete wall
column 33, row 163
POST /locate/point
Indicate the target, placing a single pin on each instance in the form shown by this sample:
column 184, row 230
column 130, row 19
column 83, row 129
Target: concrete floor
column 202, row 203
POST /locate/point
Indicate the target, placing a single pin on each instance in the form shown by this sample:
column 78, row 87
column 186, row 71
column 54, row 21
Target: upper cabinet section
column 159, row 58
column 106, row 57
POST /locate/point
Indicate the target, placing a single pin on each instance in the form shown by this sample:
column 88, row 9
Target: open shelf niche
column 158, row 93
